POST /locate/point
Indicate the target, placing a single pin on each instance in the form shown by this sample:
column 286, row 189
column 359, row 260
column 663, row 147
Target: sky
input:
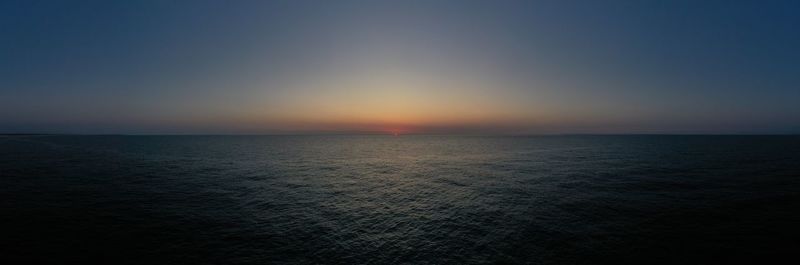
column 450, row 67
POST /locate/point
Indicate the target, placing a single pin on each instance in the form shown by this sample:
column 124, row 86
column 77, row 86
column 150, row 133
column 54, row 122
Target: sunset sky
column 486, row 67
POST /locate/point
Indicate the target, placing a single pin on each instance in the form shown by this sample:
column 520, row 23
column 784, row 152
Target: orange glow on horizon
column 379, row 96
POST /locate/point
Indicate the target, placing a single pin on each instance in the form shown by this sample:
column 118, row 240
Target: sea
column 408, row 199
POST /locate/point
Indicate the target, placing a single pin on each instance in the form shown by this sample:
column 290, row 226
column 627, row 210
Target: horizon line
column 403, row 134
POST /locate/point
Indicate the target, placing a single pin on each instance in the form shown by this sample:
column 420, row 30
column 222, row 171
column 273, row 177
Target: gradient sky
column 510, row 67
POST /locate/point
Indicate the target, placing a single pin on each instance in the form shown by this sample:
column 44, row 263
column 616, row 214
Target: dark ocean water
column 393, row 200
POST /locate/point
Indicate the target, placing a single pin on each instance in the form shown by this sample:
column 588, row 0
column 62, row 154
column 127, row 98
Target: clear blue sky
column 418, row 66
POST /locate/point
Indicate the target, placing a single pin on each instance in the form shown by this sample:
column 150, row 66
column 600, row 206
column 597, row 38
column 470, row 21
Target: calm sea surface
column 407, row 199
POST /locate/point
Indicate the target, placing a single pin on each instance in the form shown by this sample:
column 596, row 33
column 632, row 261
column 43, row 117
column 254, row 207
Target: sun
column 396, row 131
